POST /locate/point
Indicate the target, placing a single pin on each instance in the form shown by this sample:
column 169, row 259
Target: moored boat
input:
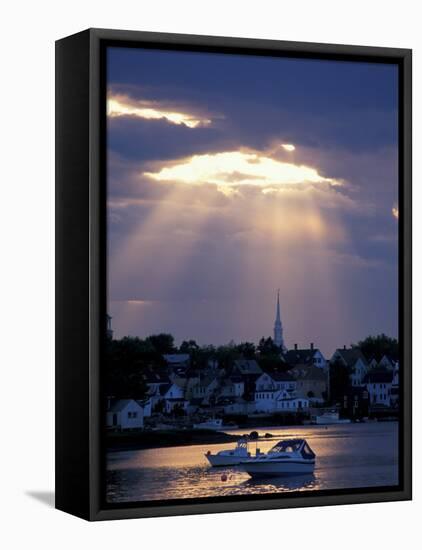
column 329, row 417
column 287, row 457
column 230, row 457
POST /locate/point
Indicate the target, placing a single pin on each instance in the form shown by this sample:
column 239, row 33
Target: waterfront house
column 124, row 414
column 266, row 400
column 271, row 387
column 379, row 383
column 311, row 383
column 285, row 403
column 232, row 387
column 146, row 405
column 275, row 381
column 204, row 388
column 174, row 398
column 306, row 356
column 355, row 361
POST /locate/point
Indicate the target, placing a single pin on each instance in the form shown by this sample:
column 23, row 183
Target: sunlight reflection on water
column 352, row 455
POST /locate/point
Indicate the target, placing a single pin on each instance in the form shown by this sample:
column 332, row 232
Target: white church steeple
column 278, row 327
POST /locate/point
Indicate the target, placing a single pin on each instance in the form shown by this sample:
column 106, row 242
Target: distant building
column 356, row 364
column 175, row 398
column 306, row 356
column 205, row 388
column 124, row 414
column 379, row 384
column 271, row 388
column 276, row 381
column 285, row 404
column 233, row 386
column 311, row 383
column 278, row 327
column 247, row 367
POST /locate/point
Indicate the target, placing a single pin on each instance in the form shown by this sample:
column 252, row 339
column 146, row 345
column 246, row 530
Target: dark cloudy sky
column 231, row 176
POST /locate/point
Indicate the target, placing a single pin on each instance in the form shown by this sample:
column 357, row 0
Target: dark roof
column 176, row 358
column 247, row 366
column 351, row 355
column 378, row 376
column 281, row 376
column 308, row 372
column 117, row 405
column 302, row 356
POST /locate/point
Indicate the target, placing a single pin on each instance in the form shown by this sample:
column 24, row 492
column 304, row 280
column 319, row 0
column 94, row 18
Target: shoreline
column 156, row 439
column 128, row 441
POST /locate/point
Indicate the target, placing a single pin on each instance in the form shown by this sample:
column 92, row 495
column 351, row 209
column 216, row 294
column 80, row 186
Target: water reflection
column 356, row 455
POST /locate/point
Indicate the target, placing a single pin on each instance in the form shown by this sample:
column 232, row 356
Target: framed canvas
column 233, row 274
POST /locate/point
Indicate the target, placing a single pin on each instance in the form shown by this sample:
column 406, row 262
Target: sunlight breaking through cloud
column 236, row 168
column 288, row 147
column 120, row 105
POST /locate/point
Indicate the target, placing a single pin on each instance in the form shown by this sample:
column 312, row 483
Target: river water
column 348, row 456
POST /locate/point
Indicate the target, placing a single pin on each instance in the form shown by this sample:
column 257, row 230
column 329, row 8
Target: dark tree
column 267, row 347
column 189, row 346
column 246, row 350
column 162, row 343
column 127, row 360
column 378, row 346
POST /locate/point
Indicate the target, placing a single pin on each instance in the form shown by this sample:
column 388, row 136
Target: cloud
column 238, row 168
column 125, row 106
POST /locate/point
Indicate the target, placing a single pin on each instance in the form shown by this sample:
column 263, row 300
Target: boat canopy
column 293, row 446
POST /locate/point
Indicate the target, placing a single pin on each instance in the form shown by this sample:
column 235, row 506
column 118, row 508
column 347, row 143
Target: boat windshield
column 287, row 446
column 242, row 444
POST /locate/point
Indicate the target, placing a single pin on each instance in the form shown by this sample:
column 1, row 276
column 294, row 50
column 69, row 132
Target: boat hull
column 278, row 469
column 216, row 460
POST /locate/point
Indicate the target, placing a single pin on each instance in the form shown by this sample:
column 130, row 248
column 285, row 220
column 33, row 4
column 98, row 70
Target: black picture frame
column 81, row 269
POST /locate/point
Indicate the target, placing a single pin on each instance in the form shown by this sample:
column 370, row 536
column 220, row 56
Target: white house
column 378, row 384
column 146, row 405
column 287, row 404
column 232, row 387
column 355, row 362
column 265, row 400
column 124, row 414
column 175, row 398
column 275, row 381
column 204, row 388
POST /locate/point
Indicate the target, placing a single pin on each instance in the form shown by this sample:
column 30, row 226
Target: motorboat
column 329, row 417
column 214, row 424
column 287, row 457
column 230, row 457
